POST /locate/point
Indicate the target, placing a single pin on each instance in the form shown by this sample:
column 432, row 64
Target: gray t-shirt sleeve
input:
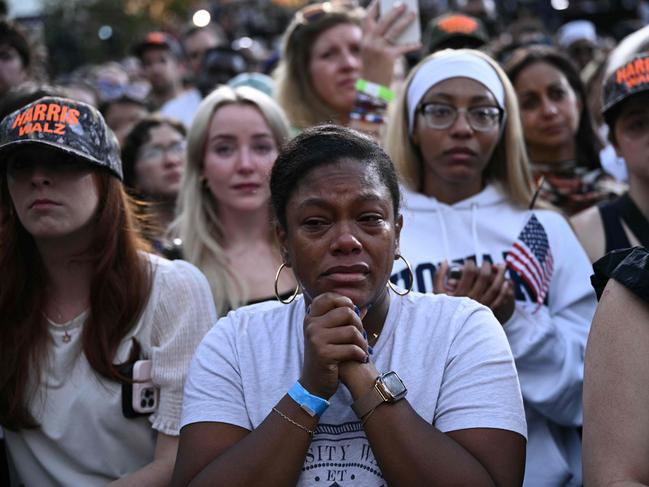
column 479, row 386
column 214, row 389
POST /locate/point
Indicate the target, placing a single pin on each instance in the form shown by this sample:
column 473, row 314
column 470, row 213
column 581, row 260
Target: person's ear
column 282, row 238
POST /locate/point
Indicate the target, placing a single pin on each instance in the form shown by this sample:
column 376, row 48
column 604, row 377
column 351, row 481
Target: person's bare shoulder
column 590, row 231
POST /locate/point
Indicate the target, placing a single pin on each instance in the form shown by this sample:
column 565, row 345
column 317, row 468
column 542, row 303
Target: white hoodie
column 547, row 341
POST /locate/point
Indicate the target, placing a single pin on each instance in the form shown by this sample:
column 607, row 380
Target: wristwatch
column 388, row 388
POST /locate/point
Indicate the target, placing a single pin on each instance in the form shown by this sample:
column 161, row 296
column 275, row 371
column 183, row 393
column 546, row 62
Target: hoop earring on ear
column 412, row 278
column 279, row 298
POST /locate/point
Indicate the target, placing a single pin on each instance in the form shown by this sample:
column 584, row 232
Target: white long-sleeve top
column 547, row 341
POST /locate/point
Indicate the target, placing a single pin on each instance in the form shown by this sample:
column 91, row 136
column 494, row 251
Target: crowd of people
column 358, row 261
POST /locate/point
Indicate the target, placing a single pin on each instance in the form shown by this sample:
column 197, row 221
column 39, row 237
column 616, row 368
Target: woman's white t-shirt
column 451, row 353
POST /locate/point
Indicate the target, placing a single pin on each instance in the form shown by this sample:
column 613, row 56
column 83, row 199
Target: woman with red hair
column 95, row 333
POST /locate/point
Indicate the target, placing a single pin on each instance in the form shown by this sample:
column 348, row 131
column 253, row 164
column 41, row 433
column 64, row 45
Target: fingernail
column 357, row 311
column 365, row 335
column 308, row 309
column 367, row 359
column 370, row 350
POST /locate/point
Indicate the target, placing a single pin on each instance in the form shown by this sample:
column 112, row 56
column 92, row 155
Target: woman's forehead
column 460, row 88
column 354, row 169
column 351, row 174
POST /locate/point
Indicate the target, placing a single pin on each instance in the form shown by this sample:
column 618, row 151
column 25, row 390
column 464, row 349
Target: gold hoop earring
column 279, row 298
column 412, row 278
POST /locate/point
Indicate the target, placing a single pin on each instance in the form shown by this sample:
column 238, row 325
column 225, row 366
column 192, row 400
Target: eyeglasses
column 110, row 91
column 440, row 116
column 315, row 11
column 156, row 152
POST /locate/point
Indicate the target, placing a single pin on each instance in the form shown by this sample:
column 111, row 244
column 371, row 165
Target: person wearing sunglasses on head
column 197, row 41
column 457, row 137
column 560, row 135
column 327, row 49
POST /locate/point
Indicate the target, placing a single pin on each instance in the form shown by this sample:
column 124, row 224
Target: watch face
column 394, row 385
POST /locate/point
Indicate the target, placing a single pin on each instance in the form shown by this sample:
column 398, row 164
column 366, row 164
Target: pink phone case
column 145, row 394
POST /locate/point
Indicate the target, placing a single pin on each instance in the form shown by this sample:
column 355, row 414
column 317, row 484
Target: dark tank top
column 613, row 214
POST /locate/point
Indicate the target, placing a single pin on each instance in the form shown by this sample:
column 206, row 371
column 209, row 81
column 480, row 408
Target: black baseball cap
column 158, row 40
column 457, row 28
column 627, row 80
column 69, row 126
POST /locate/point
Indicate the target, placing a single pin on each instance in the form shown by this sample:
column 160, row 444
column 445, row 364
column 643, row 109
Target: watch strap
column 312, row 404
column 369, row 401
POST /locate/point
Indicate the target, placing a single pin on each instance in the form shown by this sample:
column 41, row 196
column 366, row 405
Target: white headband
column 454, row 65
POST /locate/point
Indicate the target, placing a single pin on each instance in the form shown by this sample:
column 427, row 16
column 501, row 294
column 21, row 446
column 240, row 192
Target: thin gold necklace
column 59, row 317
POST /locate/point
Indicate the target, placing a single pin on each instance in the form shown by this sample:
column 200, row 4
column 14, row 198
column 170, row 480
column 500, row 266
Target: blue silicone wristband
column 313, row 405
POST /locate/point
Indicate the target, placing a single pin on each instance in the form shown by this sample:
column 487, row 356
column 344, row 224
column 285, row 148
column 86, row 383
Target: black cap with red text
column 69, row 126
column 629, row 79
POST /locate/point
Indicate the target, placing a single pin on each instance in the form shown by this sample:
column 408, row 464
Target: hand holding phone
column 388, row 35
column 486, row 284
column 405, row 32
column 452, row 277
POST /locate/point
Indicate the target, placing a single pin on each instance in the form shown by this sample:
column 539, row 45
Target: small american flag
column 531, row 258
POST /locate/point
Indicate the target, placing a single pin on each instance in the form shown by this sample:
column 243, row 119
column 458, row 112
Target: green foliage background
column 71, row 28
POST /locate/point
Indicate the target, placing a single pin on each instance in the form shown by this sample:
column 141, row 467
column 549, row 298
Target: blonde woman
column 223, row 216
column 457, row 139
column 327, row 48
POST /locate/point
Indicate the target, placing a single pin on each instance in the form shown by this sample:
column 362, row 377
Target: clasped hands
column 335, row 346
column 486, row 284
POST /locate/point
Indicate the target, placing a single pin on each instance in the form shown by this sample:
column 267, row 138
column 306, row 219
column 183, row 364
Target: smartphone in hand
column 140, row 397
column 412, row 33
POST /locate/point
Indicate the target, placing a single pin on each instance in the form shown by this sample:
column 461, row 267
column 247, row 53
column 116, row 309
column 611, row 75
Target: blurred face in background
column 550, row 108
column 12, row 70
column 195, row 46
column 122, row 115
column 239, row 153
column 160, row 162
column 161, row 68
column 335, row 66
column 582, row 52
